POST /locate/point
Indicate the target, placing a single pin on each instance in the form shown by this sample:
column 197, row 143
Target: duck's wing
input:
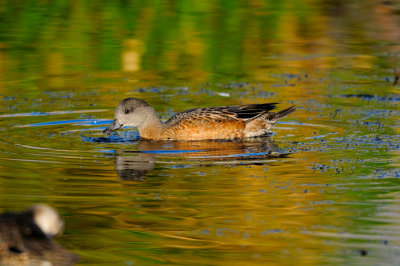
column 241, row 113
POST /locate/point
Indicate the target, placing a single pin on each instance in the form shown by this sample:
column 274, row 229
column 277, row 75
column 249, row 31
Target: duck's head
column 130, row 112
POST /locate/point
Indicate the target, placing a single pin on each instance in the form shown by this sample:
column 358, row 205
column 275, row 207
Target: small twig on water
column 396, row 77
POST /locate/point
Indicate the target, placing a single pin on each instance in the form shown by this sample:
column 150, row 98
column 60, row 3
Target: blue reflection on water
column 84, row 122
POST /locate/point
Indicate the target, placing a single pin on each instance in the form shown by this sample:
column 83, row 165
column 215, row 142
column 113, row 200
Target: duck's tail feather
column 278, row 115
column 260, row 125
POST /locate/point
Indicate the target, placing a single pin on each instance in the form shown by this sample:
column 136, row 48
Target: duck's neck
column 151, row 127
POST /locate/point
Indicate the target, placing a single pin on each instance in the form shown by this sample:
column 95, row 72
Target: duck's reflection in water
column 26, row 238
column 134, row 164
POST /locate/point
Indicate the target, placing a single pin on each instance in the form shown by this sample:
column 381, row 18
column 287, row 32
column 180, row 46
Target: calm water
column 322, row 189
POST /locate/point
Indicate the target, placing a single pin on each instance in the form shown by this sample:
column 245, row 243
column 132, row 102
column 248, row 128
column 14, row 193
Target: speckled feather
column 220, row 114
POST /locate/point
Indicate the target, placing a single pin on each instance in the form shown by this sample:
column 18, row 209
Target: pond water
column 323, row 188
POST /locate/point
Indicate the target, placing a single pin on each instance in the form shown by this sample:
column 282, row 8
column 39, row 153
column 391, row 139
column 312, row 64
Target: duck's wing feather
column 221, row 114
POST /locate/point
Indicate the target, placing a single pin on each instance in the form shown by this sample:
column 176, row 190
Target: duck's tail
column 260, row 125
column 273, row 117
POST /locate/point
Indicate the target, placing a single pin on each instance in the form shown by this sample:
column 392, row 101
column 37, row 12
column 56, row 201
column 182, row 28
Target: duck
column 26, row 238
column 210, row 123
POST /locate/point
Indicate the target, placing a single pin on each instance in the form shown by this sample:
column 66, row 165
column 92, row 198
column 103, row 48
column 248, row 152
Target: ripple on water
column 255, row 149
column 222, row 195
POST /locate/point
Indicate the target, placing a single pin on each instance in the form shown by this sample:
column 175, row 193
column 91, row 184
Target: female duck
column 225, row 122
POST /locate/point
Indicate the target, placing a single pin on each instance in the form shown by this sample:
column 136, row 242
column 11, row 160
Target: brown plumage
column 225, row 122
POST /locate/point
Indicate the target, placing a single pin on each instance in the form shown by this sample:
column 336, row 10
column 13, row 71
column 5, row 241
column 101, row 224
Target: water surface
column 323, row 188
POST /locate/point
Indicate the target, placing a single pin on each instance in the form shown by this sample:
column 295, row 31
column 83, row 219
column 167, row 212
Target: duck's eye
column 127, row 111
column 15, row 249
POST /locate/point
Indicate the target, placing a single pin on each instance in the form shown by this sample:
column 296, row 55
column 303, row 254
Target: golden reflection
column 131, row 55
column 55, row 70
column 239, row 209
column 389, row 30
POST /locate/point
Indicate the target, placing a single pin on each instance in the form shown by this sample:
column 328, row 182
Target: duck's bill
column 114, row 126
